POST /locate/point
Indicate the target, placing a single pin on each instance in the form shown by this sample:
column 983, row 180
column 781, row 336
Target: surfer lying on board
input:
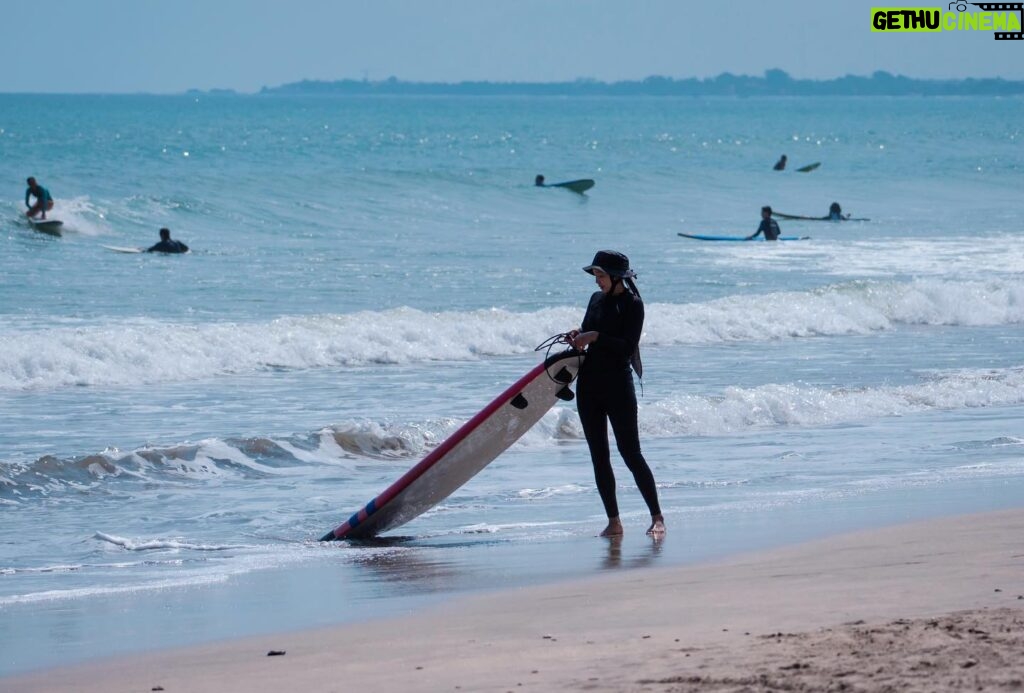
column 610, row 333
column 166, row 245
column 769, row 227
column 44, row 202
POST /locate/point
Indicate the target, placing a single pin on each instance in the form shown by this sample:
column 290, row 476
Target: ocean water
column 366, row 273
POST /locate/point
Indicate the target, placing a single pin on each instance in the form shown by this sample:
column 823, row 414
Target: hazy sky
column 172, row 45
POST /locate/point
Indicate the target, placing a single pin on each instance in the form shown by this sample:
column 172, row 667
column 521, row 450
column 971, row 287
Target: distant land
column 773, row 83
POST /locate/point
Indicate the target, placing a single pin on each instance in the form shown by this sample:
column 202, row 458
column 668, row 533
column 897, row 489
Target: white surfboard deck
column 119, row 249
column 467, row 451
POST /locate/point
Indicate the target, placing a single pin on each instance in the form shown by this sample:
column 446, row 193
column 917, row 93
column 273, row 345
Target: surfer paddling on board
column 769, row 227
column 610, row 334
column 44, row 202
column 166, row 245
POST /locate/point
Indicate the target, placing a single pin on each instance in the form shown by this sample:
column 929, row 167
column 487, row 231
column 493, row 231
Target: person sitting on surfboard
column 780, row 165
column 44, row 202
column 539, row 181
column 166, row 245
column 610, row 333
column 769, row 227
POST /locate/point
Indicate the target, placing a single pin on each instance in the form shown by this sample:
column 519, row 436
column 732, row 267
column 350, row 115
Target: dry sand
column 930, row 606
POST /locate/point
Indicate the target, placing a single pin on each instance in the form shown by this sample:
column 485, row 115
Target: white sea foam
column 79, row 215
column 256, row 558
column 155, row 544
column 734, row 410
column 146, row 351
column 738, row 409
column 964, row 257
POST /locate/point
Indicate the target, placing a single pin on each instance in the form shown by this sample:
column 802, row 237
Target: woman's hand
column 580, row 340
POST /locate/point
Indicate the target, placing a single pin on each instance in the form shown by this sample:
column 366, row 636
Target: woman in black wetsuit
column 610, row 333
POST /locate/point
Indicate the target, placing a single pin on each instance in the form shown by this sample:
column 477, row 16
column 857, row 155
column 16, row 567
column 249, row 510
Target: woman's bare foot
column 614, row 528
column 657, row 528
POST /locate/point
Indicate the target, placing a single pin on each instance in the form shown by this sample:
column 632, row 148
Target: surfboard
column 119, row 249
column 467, row 451
column 809, row 167
column 797, row 217
column 50, row 226
column 698, row 237
column 578, row 186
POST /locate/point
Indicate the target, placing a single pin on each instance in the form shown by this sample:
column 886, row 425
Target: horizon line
column 774, row 74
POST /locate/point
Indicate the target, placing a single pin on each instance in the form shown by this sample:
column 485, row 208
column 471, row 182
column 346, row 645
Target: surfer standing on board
column 44, row 202
column 610, row 333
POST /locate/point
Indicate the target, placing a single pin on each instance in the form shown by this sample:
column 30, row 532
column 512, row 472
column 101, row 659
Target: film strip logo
column 1000, row 7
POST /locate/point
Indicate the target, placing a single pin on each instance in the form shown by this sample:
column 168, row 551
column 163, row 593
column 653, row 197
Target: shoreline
column 886, row 594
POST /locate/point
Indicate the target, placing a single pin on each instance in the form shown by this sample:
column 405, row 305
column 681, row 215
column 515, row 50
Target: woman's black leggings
column 604, row 397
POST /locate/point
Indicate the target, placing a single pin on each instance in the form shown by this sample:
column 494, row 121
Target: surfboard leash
column 549, row 344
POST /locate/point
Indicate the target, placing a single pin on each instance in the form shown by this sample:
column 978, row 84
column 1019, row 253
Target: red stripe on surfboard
column 445, row 447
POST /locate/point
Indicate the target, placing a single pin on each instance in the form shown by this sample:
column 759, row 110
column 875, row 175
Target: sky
column 169, row 46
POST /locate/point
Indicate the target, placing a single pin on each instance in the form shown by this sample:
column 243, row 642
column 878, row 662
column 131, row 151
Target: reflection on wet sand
column 643, row 559
column 410, row 566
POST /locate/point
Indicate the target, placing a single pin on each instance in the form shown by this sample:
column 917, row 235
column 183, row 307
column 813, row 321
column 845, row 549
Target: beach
column 927, row 606
column 366, row 274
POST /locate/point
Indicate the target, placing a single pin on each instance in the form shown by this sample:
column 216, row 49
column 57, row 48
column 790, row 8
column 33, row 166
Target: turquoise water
column 367, row 273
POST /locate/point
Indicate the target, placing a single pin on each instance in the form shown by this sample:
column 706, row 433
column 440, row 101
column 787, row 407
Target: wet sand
column 929, row 606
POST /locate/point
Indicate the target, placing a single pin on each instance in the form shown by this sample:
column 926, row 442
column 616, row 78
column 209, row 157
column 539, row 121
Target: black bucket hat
column 611, row 263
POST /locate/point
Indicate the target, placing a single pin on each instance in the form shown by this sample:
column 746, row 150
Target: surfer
column 769, row 227
column 780, row 165
column 166, row 245
column 539, row 181
column 835, row 212
column 44, row 202
column 610, row 333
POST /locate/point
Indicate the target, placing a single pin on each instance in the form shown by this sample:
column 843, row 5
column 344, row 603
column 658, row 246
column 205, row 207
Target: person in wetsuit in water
column 166, row 245
column 835, row 212
column 769, row 227
column 44, row 201
column 610, row 334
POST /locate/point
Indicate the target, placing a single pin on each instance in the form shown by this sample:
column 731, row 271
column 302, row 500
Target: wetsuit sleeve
column 760, row 230
column 28, row 194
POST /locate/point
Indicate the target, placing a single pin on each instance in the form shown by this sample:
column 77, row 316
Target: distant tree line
column 773, row 83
